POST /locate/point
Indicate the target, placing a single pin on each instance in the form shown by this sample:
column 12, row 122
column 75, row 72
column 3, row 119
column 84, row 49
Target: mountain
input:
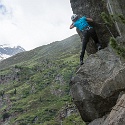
column 34, row 85
column 51, row 51
column 8, row 51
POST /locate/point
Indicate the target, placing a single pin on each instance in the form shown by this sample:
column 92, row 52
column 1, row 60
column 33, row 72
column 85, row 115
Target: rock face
column 116, row 9
column 116, row 116
column 96, row 88
column 93, row 9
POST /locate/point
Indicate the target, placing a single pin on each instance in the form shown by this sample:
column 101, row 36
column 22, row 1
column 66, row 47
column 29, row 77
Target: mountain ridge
column 42, row 51
column 7, row 51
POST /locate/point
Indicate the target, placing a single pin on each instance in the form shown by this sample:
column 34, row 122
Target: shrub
column 120, row 50
column 5, row 115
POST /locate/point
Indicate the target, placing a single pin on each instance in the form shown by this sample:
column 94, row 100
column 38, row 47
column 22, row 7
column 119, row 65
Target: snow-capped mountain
column 8, row 51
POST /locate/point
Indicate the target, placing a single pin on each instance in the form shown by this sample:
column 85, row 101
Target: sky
column 33, row 23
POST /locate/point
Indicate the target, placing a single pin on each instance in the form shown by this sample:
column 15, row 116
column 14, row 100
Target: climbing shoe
column 99, row 47
column 81, row 63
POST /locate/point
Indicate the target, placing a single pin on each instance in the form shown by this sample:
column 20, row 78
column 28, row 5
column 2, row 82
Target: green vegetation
column 5, row 116
column 119, row 49
column 110, row 18
column 119, row 18
column 122, row 18
column 35, row 85
column 107, row 19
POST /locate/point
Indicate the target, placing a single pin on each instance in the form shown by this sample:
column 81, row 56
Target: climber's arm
column 89, row 19
column 72, row 26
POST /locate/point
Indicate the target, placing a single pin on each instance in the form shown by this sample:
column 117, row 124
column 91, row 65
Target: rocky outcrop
column 96, row 88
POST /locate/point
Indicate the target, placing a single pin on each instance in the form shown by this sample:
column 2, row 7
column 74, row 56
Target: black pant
column 86, row 35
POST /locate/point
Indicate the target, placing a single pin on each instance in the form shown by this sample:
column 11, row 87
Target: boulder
column 97, row 84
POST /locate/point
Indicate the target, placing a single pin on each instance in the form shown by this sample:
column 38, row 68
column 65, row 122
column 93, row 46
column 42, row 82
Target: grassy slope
column 35, row 84
column 52, row 50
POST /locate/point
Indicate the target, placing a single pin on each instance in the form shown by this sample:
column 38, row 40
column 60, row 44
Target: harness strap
column 86, row 28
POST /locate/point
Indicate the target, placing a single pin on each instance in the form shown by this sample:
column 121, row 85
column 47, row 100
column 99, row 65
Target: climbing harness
column 86, row 28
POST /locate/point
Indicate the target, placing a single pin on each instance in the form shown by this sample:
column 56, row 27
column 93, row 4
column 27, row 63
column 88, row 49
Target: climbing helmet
column 73, row 17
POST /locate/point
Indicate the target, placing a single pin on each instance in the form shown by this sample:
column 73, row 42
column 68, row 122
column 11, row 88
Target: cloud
column 33, row 23
column 2, row 9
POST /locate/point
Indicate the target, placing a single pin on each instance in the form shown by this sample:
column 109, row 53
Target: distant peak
column 7, row 50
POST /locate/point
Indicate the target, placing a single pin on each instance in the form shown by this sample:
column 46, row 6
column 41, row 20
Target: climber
column 88, row 31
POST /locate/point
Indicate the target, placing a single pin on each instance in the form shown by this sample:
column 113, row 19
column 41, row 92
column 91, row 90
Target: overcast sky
column 33, row 23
